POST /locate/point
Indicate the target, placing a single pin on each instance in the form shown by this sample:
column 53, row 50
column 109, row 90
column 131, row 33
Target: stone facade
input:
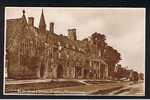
column 33, row 52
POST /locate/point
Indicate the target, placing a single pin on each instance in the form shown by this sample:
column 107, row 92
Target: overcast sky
column 124, row 28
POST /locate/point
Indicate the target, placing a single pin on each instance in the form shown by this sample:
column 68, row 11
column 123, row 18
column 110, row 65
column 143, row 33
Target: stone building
column 33, row 52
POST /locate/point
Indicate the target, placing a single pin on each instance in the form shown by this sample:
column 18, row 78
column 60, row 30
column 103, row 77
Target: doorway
column 42, row 70
column 59, row 71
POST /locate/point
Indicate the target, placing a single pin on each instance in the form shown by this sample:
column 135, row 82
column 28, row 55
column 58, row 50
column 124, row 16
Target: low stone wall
column 14, row 88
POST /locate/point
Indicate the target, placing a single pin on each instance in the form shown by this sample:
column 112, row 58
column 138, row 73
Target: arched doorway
column 86, row 73
column 42, row 70
column 59, row 71
column 78, row 72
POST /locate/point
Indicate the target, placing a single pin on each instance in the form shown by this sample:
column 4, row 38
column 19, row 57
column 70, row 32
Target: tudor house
column 34, row 52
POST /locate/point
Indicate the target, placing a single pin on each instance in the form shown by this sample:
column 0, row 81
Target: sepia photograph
column 74, row 51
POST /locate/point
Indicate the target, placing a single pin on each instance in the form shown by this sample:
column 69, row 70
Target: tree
column 98, row 40
column 111, row 57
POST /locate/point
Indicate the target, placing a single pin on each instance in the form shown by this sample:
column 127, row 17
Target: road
column 131, row 90
column 100, row 88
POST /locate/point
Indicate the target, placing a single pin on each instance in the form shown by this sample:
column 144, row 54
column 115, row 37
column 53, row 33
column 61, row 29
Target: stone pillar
column 46, row 70
column 38, row 72
column 73, row 72
column 55, row 71
column 106, row 72
column 68, row 71
column 99, row 72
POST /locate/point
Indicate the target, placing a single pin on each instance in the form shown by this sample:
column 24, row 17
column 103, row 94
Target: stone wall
column 34, row 54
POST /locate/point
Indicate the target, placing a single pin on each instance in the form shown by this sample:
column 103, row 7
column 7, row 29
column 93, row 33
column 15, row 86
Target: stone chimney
column 72, row 34
column 31, row 21
column 51, row 27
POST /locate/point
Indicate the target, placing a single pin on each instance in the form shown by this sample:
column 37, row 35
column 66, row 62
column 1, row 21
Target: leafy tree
column 98, row 39
column 111, row 57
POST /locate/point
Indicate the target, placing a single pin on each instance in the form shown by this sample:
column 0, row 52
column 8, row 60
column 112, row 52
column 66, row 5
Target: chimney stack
column 51, row 27
column 31, row 21
column 72, row 34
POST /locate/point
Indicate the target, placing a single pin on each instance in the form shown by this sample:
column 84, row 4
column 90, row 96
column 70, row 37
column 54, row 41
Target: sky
column 124, row 28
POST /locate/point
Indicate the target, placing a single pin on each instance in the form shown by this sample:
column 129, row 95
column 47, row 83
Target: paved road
column 83, row 89
column 108, row 89
column 132, row 90
column 102, row 88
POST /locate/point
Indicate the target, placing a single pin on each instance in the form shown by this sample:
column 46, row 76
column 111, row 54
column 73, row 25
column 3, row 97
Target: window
column 90, row 63
column 59, row 55
column 59, row 43
column 77, row 71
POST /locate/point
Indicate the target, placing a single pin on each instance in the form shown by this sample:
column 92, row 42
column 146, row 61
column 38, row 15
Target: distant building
column 38, row 53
